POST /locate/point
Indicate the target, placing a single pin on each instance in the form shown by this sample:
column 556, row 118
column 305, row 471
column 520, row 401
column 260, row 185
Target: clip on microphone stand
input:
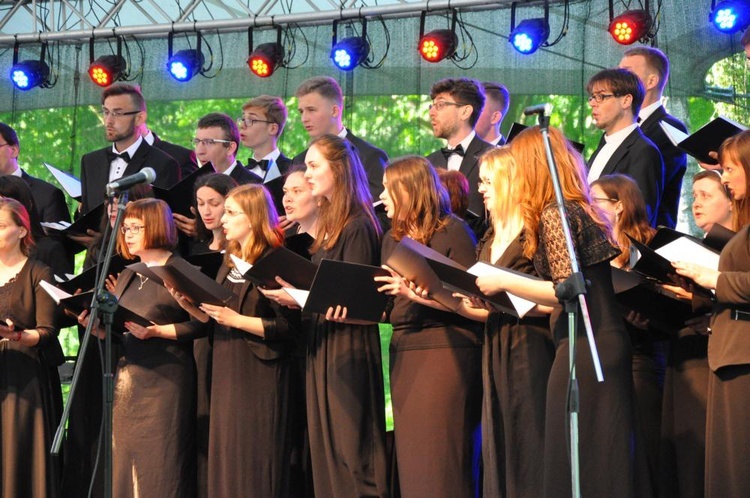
column 571, row 293
column 105, row 303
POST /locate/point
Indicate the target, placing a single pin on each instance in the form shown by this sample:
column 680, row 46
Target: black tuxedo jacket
column 95, row 172
column 373, row 160
column 243, row 176
column 49, row 200
column 638, row 158
column 276, row 186
column 675, row 164
column 184, row 157
column 470, row 169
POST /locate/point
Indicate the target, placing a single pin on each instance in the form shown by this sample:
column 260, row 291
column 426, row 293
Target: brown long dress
column 345, row 398
column 435, row 384
column 153, row 426
column 251, row 399
column 612, row 459
column 28, row 389
column 516, row 360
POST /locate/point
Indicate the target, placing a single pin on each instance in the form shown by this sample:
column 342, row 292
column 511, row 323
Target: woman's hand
column 396, row 285
column 705, row 277
column 96, row 330
column 142, row 332
column 223, row 315
column 637, row 320
column 279, row 295
column 338, row 314
column 186, row 225
column 490, row 284
column 111, row 283
column 700, row 324
column 8, row 330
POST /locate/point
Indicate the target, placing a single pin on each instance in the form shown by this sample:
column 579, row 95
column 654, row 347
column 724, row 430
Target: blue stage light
column 185, row 64
column 529, row 35
column 731, row 16
column 350, row 53
column 26, row 75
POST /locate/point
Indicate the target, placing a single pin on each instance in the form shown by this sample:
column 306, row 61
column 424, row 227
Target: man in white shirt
column 652, row 68
column 615, row 97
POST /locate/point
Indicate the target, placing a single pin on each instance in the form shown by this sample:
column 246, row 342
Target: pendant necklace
column 143, row 281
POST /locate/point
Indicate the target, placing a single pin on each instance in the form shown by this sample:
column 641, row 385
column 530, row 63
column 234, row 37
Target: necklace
column 143, row 281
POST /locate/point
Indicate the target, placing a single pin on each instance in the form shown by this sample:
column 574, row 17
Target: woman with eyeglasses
column 153, row 434
column 28, row 350
column 435, row 354
column 728, row 408
column 251, row 397
column 611, row 458
column 683, row 424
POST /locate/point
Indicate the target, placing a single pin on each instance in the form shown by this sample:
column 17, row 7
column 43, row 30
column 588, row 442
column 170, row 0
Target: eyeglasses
column 134, row 229
column 603, row 199
column 231, row 213
column 209, row 141
column 248, row 122
column 440, row 105
column 106, row 113
column 600, row 97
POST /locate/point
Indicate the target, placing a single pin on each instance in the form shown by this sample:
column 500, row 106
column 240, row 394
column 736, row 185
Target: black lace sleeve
column 589, row 241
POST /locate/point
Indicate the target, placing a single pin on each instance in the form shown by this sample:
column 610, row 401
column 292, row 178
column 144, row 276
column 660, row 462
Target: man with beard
column 123, row 115
column 454, row 112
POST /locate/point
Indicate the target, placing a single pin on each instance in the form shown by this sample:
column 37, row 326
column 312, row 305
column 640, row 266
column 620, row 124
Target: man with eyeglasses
column 321, row 107
column 261, row 124
column 456, row 106
column 123, row 116
column 615, row 97
column 49, row 201
column 652, row 68
column 216, row 141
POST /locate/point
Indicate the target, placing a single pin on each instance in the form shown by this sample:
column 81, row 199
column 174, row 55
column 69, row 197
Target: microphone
column 146, row 175
column 543, row 109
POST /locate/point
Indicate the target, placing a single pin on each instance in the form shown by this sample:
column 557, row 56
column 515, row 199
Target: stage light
column 185, row 64
column 29, row 74
column 108, row 68
column 264, row 59
column 630, row 26
column 438, row 44
column 529, row 35
column 350, row 52
column 730, row 16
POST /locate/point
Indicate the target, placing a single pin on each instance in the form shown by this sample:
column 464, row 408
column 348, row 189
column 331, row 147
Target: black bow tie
column 262, row 164
column 449, row 152
column 114, row 155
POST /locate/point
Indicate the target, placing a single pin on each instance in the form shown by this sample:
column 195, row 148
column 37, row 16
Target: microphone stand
column 106, row 303
column 571, row 293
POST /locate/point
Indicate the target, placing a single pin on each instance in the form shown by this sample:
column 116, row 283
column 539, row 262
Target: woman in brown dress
column 153, row 434
column 435, row 354
column 28, row 350
column 608, row 464
column 728, row 410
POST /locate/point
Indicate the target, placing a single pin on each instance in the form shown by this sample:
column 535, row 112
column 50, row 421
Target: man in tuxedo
column 123, row 114
column 652, row 68
column 496, row 103
column 454, row 112
column 321, row 104
column 49, row 201
column 615, row 97
column 262, row 122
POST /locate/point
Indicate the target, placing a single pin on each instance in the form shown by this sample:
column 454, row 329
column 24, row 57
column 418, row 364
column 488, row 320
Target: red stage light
column 265, row 59
column 106, row 69
column 631, row 26
column 438, row 45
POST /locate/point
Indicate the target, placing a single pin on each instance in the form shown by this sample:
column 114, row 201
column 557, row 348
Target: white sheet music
column 299, row 295
column 54, row 292
column 241, row 265
column 689, row 251
column 521, row 305
column 68, row 182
